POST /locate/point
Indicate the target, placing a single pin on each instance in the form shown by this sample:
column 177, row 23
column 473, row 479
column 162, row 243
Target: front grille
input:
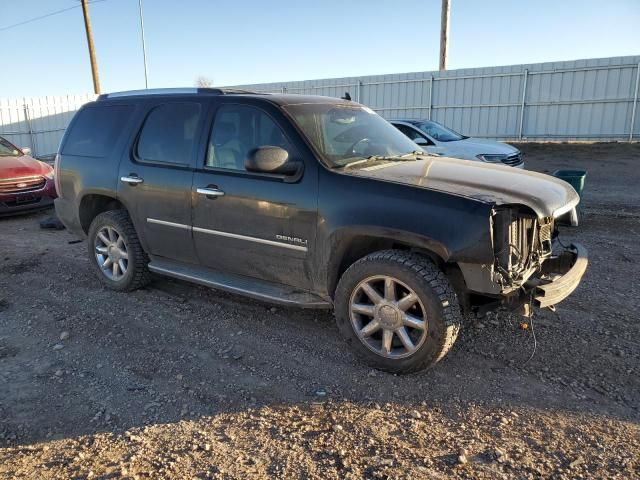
column 23, row 184
column 513, row 159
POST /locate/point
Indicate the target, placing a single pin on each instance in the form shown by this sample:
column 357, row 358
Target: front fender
column 452, row 227
column 341, row 238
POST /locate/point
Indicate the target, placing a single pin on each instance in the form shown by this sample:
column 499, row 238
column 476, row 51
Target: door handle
column 131, row 180
column 210, row 192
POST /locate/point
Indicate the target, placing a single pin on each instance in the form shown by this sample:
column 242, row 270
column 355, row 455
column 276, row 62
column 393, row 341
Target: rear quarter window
column 96, row 129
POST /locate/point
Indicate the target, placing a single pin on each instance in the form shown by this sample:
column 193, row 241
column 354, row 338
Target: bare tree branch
column 204, row 82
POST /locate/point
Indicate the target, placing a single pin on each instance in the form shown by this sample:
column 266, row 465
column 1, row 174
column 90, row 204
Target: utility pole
column 144, row 47
column 444, row 33
column 92, row 53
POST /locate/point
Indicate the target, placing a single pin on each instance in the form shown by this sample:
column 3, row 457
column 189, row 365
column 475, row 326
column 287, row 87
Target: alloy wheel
column 111, row 253
column 388, row 316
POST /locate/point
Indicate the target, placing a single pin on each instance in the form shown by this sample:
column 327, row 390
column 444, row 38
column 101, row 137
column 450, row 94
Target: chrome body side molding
column 263, row 241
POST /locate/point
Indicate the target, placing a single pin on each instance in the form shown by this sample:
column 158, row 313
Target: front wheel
column 116, row 253
column 397, row 310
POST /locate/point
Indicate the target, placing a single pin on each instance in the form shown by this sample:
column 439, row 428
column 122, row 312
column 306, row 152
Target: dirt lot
column 179, row 381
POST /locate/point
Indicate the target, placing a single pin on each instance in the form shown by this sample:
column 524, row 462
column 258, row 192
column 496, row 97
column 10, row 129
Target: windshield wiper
column 402, row 157
column 373, row 158
column 391, row 158
column 422, row 153
column 415, row 153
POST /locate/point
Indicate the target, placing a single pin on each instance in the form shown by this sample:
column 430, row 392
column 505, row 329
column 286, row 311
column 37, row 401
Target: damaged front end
column 531, row 265
column 521, row 242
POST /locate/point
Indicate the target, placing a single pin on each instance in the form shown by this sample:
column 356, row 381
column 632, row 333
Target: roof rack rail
column 231, row 91
column 174, row 91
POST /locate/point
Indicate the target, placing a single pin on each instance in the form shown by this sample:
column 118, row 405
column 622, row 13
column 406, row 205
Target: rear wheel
column 397, row 310
column 115, row 252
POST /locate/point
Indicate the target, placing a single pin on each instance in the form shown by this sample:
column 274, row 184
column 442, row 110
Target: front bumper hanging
column 560, row 276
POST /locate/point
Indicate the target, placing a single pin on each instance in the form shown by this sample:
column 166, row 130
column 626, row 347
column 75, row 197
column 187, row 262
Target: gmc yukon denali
column 313, row 202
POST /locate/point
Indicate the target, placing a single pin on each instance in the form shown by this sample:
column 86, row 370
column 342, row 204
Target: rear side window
column 169, row 133
column 95, row 131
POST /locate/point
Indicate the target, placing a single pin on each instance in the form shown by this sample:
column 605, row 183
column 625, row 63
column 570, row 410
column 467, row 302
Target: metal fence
column 594, row 99
column 39, row 123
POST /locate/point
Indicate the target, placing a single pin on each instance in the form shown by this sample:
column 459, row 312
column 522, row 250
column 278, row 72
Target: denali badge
column 297, row 240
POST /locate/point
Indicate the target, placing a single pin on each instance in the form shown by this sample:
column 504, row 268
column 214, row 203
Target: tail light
column 56, row 175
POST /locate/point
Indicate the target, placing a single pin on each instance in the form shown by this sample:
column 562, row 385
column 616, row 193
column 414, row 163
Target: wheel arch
column 351, row 245
column 93, row 204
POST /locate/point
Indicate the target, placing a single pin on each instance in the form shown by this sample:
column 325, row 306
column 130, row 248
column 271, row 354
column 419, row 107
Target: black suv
column 314, row 202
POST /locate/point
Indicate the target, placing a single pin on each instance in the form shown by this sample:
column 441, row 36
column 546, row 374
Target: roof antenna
column 346, row 96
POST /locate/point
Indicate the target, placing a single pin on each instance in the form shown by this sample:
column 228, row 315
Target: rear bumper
column 67, row 212
column 561, row 275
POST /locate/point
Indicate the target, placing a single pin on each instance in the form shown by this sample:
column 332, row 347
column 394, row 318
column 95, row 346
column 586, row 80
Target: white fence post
column 430, row 95
column 635, row 104
column 34, row 147
column 525, row 75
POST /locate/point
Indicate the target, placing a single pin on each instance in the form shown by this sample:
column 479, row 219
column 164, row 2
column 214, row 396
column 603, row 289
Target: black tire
column 137, row 274
column 436, row 295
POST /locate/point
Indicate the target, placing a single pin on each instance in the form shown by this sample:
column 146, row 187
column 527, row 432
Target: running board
column 249, row 287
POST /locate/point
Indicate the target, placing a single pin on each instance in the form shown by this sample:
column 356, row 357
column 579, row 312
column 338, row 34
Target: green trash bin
column 575, row 178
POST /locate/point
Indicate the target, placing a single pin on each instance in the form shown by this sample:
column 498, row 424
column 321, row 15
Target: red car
column 25, row 183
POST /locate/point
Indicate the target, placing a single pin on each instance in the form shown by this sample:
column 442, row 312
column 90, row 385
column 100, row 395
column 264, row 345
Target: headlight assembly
column 491, row 158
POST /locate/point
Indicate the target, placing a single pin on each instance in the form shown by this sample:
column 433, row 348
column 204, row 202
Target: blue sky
column 253, row 41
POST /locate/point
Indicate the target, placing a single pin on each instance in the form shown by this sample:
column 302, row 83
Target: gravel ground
column 179, row 381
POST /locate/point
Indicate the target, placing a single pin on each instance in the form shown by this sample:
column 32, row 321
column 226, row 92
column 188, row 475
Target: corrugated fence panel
column 13, row 124
column 39, row 122
column 582, row 101
column 575, row 100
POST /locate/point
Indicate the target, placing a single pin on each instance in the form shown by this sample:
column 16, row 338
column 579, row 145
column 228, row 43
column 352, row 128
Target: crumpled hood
column 23, row 166
column 498, row 184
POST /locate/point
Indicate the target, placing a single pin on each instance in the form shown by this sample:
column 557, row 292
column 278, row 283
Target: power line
column 2, row 29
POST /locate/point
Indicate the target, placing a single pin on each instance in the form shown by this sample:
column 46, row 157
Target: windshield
column 440, row 132
column 8, row 150
column 344, row 134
